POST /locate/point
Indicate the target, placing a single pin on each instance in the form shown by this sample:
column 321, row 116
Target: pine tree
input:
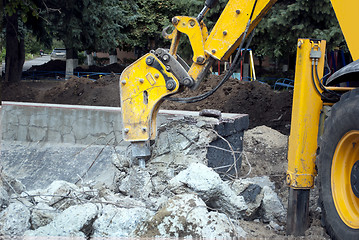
column 289, row 20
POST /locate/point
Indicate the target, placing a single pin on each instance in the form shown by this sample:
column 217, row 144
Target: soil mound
column 58, row 65
column 112, row 68
column 53, row 65
column 83, row 91
column 264, row 106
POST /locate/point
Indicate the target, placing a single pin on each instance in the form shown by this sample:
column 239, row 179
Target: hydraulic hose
column 238, row 57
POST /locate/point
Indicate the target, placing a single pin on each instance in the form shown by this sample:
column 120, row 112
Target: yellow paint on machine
column 227, row 33
column 347, row 12
column 345, row 156
column 307, row 105
column 141, row 88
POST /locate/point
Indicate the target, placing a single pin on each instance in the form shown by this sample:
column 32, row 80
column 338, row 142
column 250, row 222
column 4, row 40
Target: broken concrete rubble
column 137, row 183
column 210, row 187
column 8, row 186
column 76, row 221
column 119, row 222
column 214, row 142
column 176, row 195
column 4, row 197
column 42, row 215
column 15, row 220
column 60, row 194
column 252, row 189
column 272, row 207
column 186, row 215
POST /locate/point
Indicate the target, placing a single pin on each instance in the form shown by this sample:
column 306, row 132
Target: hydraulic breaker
column 302, row 147
column 142, row 87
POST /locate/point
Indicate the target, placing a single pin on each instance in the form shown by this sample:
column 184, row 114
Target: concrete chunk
column 209, row 186
column 119, row 222
column 14, row 220
column 70, row 223
column 186, row 215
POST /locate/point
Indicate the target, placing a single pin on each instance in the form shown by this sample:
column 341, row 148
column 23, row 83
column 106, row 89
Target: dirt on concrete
column 264, row 105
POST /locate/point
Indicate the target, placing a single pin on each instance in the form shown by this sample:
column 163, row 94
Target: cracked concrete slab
column 38, row 164
column 47, row 142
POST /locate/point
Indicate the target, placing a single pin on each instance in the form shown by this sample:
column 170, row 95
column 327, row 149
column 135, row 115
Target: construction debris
column 176, row 195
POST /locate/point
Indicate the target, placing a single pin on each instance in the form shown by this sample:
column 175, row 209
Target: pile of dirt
column 112, row 68
column 264, row 106
column 83, row 91
column 53, row 65
column 58, row 65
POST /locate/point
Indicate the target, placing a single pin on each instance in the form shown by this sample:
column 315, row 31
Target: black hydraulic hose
column 317, row 90
column 236, row 60
column 321, row 84
column 315, row 85
column 224, row 79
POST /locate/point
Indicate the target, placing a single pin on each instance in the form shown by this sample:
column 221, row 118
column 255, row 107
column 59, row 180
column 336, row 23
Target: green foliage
column 155, row 15
column 31, row 21
column 90, row 25
column 57, row 44
column 82, row 57
column 33, row 45
column 24, row 7
column 289, row 20
column 3, row 53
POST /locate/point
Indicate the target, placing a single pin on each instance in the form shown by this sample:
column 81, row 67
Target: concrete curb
column 76, row 124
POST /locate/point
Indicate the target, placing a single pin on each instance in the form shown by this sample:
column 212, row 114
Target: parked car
column 58, row 54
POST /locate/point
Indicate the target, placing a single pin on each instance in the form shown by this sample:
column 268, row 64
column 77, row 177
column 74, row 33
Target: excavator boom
column 162, row 73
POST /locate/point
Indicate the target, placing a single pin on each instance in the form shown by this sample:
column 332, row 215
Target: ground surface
column 264, row 106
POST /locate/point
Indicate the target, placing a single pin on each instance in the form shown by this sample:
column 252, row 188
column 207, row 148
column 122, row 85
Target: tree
column 154, row 15
column 89, row 25
column 15, row 54
column 1, row 43
column 20, row 15
column 289, row 20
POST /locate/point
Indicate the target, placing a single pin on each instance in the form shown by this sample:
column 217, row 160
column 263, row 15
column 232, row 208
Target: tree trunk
column 15, row 50
column 1, row 43
column 71, row 62
column 90, row 61
column 113, row 56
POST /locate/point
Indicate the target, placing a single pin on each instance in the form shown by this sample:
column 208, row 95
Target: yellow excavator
column 324, row 134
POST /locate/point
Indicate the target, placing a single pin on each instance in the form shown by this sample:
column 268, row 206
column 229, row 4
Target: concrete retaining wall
column 36, row 122
column 47, row 142
column 32, row 122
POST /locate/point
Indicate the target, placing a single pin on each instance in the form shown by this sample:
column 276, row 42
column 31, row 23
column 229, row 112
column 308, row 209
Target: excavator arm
column 162, row 73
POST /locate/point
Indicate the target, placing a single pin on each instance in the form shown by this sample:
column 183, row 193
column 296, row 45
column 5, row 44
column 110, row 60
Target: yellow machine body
column 139, row 117
column 307, row 105
column 219, row 44
column 227, row 33
column 347, row 14
column 142, row 87
column 224, row 37
column 196, row 33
